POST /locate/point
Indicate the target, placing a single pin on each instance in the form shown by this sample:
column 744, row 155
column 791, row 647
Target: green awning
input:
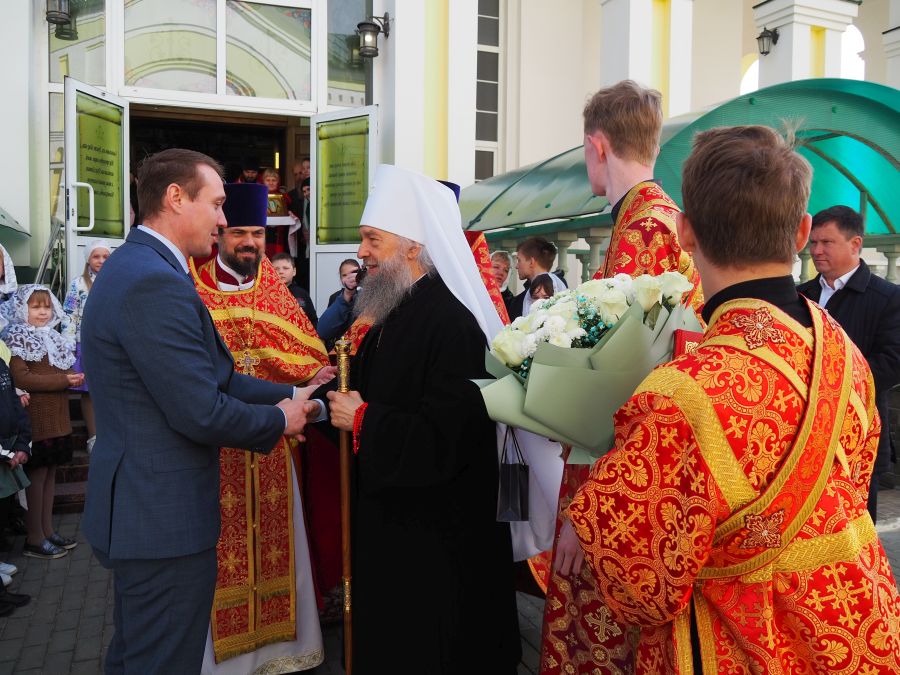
column 10, row 223
column 850, row 132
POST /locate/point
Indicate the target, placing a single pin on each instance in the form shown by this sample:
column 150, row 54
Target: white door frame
column 76, row 236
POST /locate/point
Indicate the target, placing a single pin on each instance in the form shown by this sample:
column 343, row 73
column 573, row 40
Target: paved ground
column 68, row 624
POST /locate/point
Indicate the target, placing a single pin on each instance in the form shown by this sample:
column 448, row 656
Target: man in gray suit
column 166, row 397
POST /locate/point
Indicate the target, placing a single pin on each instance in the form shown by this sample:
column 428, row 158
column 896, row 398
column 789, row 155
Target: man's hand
column 325, row 374
column 24, row 397
column 569, row 556
column 343, row 408
column 295, row 412
column 75, row 379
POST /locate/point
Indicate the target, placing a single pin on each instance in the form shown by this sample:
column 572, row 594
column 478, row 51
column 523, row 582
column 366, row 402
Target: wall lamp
column 368, row 34
column 58, row 11
column 766, row 39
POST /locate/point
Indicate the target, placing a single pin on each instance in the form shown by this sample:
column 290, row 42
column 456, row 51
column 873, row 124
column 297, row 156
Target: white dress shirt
column 839, row 283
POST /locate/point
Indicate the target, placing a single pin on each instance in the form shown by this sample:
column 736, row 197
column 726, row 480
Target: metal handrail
column 53, row 259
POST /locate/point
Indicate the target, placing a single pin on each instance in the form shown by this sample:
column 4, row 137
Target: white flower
column 566, row 309
column 510, row 346
column 611, row 304
column 647, row 291
column 561, row 340
column 623, row 282
column 593, row 288
column 529, row 346
column 674, row 285
column 532, row 321
column 554, row 325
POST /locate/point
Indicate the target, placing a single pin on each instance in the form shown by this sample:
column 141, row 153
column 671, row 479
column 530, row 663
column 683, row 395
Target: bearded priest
column 729, row 526
column 264, row 616
column 433, row 587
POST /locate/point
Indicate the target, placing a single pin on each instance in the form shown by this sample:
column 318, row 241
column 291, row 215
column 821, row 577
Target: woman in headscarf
column 95, row 254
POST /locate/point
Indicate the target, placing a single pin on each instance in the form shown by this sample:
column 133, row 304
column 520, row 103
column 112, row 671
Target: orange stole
column 643, row 240
column 578, row 633
column 255, row 599
column 752, row 512
column 479, row 247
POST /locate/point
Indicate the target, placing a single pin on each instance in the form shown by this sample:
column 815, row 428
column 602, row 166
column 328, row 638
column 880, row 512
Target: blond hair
column 630, row 116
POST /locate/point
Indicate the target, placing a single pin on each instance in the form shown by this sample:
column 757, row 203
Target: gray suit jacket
column 166, row 398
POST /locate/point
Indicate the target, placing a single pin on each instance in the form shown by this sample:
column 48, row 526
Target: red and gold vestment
column 256, row 595
column 578, row 633
column 736, row 492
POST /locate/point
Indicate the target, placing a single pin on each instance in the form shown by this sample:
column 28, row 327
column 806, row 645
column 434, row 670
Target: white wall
column 717, row 51
column 550, row 73
column 17, row 171
column 872, row 21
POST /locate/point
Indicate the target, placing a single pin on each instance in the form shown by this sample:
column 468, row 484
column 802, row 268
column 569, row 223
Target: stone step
column 69, row 497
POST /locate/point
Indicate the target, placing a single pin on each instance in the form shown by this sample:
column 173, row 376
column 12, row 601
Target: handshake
column 300, row 410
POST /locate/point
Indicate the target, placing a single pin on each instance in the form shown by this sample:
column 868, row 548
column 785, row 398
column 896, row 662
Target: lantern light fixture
column 368, row 31
column 58, row 12
column 766, row 39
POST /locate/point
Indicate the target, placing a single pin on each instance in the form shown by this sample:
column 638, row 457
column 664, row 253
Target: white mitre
column 420, row 208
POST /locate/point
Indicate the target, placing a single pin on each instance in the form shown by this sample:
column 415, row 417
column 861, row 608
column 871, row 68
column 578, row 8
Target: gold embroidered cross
column 765, row 531
column 248, row 363
column 758, row 328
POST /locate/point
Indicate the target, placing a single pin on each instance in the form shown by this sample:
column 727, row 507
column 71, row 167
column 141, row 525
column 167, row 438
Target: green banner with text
column 100, row 154
column 342, row 179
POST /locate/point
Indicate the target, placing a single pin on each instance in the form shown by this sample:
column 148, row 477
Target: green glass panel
column 268, row 51
column 346, row 70
column 78, row 49
column 171, row 44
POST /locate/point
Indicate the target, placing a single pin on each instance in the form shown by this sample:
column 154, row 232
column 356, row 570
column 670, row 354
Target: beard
column 383, row 292
column 243, row 267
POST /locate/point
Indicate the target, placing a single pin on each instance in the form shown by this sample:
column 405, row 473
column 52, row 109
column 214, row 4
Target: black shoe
column 14, row 599
column 63, row 542
column 46, row 550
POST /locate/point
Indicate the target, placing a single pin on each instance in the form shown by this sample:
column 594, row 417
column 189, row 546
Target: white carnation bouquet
column 566, row 367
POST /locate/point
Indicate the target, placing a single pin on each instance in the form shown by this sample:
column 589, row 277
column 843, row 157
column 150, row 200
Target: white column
column 790, row 59
column 681, row 24
column 462, row 64
column 398, row 84
column 625, row 52
column 598, row 241
column 891, row 41
column 23, row 168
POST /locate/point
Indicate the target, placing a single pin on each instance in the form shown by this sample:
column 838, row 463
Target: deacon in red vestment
column 264, row 613
column 622, row 124
column 728, row 527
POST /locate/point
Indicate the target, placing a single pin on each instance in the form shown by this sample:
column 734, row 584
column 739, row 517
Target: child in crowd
column 42, row 364
column 15, row 438
column 541, row 288
column 284, row 266
column 95, row 254
column 276, row 236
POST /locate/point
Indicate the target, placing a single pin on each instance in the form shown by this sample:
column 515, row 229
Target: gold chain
column 248, row 361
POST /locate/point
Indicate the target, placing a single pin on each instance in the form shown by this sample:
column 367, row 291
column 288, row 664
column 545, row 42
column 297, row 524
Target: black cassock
column 433, row 582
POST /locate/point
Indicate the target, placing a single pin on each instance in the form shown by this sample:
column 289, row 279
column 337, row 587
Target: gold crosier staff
column 342, row 347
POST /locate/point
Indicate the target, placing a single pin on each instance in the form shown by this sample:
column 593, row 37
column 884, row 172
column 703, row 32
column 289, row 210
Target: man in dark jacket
column 866, row 306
